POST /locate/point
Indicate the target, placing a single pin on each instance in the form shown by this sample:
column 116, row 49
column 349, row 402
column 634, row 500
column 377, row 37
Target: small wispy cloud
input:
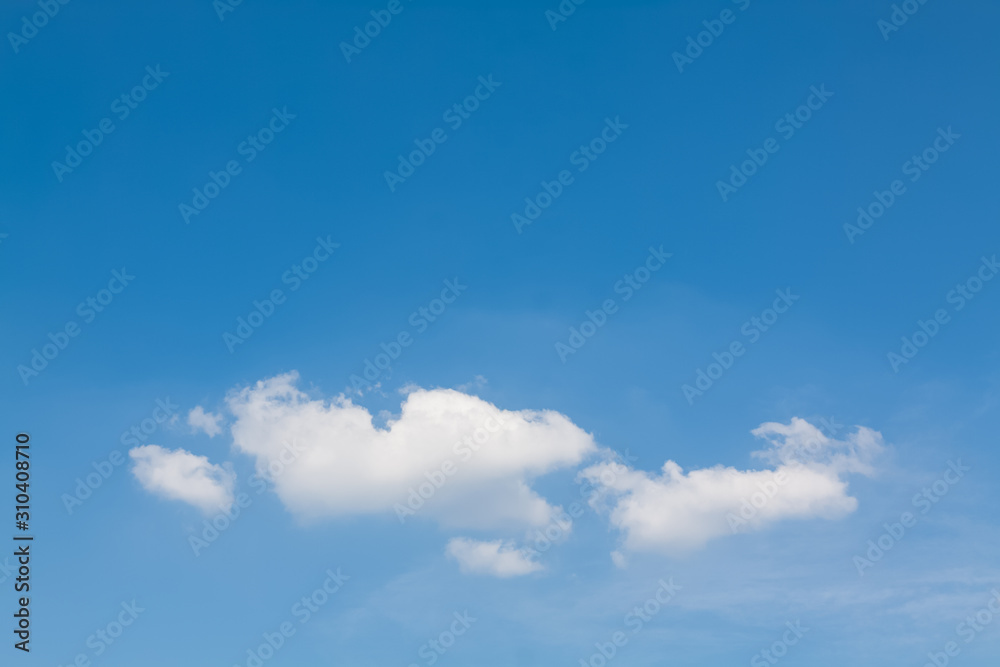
column 495, row 558
column 180, row 475
column 209, row 422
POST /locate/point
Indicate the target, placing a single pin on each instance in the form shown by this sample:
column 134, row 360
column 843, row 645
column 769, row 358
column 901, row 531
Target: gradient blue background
column 656, row 185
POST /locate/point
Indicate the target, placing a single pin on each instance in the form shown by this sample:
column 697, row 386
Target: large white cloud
column 448, row 455
column 676, row 512
column 496, row 558
column 180, row 475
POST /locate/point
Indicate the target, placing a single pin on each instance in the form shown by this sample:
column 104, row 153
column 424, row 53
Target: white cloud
column 472, row 462
column 496, row 558
column 209, row 422
column 674, row 512
column 801, row 442
column 181, row 475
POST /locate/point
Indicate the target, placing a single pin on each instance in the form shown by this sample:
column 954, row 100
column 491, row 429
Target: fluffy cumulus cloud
column 448, row 455
column 209, row 422
column 180, row 475
column 496, row 558
column 676, row 512
column 456, row 459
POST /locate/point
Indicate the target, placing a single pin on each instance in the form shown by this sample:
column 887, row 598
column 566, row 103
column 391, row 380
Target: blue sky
column 622, row 150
